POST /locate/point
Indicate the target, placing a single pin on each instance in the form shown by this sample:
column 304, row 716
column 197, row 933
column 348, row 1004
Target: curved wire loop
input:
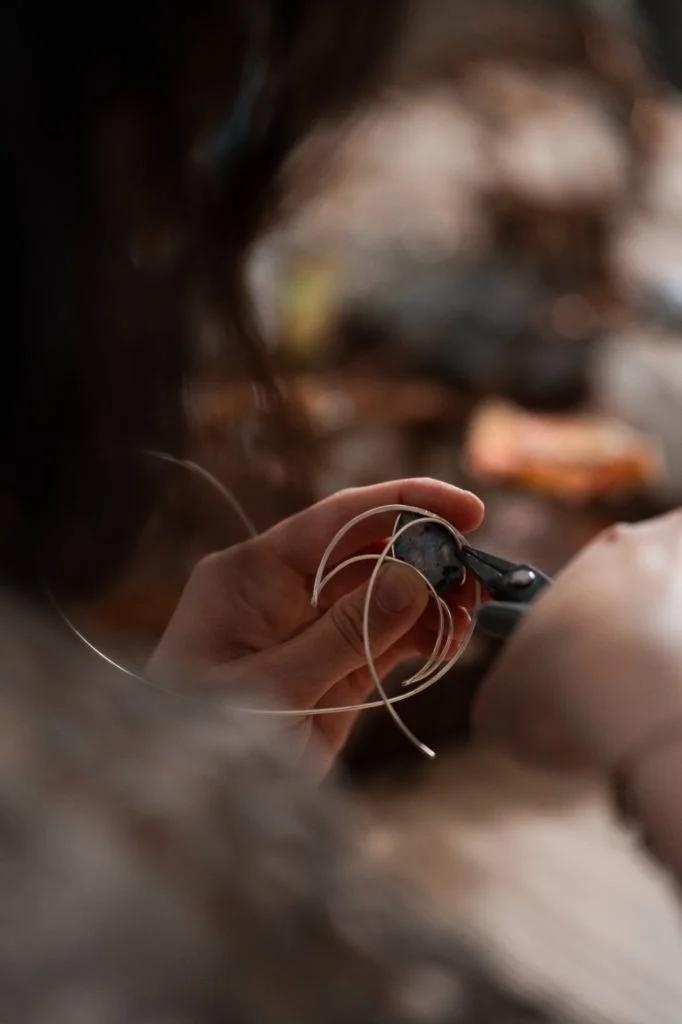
column 439, row 663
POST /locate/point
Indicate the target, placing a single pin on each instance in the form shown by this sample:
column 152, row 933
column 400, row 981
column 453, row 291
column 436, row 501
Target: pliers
column 512, row 588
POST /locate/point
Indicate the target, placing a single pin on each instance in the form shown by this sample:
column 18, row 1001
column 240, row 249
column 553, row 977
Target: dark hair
column 164, row 860
column 142, row 150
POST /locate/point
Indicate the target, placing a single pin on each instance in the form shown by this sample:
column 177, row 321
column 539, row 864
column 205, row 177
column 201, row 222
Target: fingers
column 335, row 729
column 302, row 540
column 355, row 575
column 422, row 637
column 333, row 647
column 357, row 689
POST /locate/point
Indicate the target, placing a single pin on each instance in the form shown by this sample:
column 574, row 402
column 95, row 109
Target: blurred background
column 481, row 281
column 484, row 284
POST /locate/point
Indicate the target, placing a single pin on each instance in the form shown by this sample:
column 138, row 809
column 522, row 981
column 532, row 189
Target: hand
column 595, row 668
column 246, row 617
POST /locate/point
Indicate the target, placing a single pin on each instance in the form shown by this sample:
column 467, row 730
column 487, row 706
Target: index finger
column 302, row 540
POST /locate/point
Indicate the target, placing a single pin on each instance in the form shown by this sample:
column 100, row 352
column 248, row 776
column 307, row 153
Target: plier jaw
column 502, row 580
column 510, row 586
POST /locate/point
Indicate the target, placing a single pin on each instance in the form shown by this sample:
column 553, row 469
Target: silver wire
column 438, row 664
column 213, row 481
column 435, row 668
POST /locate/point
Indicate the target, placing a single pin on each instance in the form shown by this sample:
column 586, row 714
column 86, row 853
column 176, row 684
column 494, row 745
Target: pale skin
column 245, row 618
column 594, row 674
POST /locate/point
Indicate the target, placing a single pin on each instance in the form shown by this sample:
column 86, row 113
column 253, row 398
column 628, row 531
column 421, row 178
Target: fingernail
column 397, row 589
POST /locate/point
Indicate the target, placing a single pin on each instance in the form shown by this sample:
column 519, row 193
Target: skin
column 594, row 675
column 246, row 612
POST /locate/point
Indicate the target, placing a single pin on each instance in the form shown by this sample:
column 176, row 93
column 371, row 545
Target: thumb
column 334, row 647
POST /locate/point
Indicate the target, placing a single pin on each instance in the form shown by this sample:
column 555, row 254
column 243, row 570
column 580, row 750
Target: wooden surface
column 536, row 870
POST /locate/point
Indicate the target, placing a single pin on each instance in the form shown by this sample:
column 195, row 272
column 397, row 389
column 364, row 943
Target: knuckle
column 414, row 488
column 348, row 623
column 207, row 568
column 215, row 573
column 229, row 564
column 617, row 533
column 346, row 494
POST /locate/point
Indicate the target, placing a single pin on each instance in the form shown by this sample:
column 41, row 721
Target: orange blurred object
column 580, row 458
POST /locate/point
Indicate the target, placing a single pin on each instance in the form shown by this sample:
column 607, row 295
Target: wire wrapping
column 438, row 664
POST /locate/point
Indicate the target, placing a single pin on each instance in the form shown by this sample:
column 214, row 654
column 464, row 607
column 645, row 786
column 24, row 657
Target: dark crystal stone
column 433, row 550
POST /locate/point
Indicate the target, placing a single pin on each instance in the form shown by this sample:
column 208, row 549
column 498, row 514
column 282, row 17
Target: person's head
column 161, row 860
column 142, row 150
